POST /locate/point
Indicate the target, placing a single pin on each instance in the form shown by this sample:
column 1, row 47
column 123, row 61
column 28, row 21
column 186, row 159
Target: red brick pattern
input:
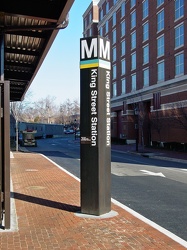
column 46, row 200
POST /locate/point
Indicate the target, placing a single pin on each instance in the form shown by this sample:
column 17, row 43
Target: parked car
column 69, row 131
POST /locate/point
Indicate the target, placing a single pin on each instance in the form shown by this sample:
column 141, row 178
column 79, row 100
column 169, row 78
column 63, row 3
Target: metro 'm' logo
column 95, row 47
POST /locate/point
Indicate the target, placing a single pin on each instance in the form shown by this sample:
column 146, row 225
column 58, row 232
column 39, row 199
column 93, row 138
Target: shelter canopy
column 28, row 29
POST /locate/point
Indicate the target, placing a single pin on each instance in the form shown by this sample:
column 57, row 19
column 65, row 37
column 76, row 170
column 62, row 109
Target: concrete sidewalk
column 47, row 214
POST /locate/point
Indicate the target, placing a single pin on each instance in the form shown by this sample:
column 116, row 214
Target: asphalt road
column 154, row 188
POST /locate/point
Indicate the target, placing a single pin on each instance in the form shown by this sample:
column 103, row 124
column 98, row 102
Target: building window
column 114, row 70
column 160, row 71
column 133, row 19
column 145, row 31
column 179, row 36
column 101, row 31
column 160, row 21
column 133, row 40
column 159, row 2
column 145, row 9
column 122, row 28
column 101, row 14
column 107, row 7
column 160, row 46
column 123, row 48
column 156, row 101
column 123, row 67
column 114, row 88
column 114, row 36
column 133, row 3
column 114, row 2
column 146, row 77
column 179, row 9
column 106, row 27
column 179, row 64
column 133, row 81
column 133, row 61
column 146, row 54
column 123, row 86
column 114, row 54
column 114, row 19
column 90, row 17
column 122, row 9
column 85, row 23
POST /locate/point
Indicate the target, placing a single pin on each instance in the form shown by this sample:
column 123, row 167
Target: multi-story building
column 149, row 67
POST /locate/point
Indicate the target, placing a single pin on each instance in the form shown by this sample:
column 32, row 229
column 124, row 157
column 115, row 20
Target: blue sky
column 59, row 75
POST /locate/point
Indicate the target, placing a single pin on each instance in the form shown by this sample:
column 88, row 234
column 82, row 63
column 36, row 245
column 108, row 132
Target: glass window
column 146, row 54
column 114, row 71
column 123, row 48
column 179, row 9
column 133, row 3
column 160, row 71
column 114, row 88
column 114, row 19
column 133, row 80
column 145, row 31
column 160, row 21
column 133, row 40
column 122, row 28
column 133, row 19
column 123, row 85
column 145, row 9
column 123, row 67
column 101, row 31
column 179, row 36
column 160, row 46
column 146, row 77
column 123, row 9
column 101, row 14
column 114, row 36
column 107, row 7
column 106, row 27
column 133, row 61
column 114, row 54
column 179, row 64
column 159, row 2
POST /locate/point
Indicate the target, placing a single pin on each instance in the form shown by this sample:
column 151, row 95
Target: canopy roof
column 28, row 29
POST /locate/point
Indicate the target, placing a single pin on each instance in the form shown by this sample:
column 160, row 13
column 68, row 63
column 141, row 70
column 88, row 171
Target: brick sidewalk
column 47, row 199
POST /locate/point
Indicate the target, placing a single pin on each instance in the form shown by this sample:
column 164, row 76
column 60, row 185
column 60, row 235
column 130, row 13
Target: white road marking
column 153, row 173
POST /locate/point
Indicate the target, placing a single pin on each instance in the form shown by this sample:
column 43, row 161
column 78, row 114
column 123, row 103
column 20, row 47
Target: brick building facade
column 149, row 67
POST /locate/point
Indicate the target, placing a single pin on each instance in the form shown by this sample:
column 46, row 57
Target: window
column 114, row 88
column 106, row 27
column 107, row 7
column 159, row 2
column 160, row 71
column 114, row 36
column 90, row 17
column 114, row 19
column 160, row 46
column 133, row 3
column 133, row 81
column 122, row 28
column 156, row 101
column 133, row 61
column 123, row 9
column 146, row 54
column 179, row 9
column 123, row 48
column 101, row 14
column 145, row 9
column 123, row 67
column 133, row 19
column 145, row 31
column 114, row 71
column 160, row 21
column 179, row 36
column 101, row 31
column 114, row 54
column 133, row 40
column 179, row 64
column 146, row 77
column 123, row 85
